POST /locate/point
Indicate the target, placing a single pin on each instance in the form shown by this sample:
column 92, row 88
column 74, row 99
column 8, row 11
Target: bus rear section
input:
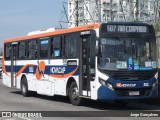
column 126, row 62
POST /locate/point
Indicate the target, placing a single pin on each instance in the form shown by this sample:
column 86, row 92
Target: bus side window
column 22, row 50
column 56, row 47
column 32, row 49
column 44, row 48
column 69, row 46
column 7, row 51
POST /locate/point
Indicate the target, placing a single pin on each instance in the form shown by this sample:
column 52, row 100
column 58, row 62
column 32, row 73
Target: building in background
column 116, row 10
column 81, row 12
column 158, row 11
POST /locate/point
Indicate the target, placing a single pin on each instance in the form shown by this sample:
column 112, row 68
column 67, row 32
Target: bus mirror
column 96, row 50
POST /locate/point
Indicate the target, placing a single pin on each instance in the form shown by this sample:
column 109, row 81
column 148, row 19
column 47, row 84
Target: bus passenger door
column 85, row 66
column 14, row 47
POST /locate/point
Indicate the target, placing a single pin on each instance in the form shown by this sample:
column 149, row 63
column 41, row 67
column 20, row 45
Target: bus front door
column 85, row 66
column 13, row 63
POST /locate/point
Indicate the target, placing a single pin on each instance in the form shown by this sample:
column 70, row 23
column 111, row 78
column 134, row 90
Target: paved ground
column 12, row 100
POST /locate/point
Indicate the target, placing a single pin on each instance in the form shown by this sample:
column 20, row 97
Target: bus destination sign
column 127, row 29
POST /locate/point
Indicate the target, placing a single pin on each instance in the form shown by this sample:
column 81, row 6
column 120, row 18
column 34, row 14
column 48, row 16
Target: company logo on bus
column 125, row 85
column 118, row 85
column 40, row 70
column 59, row 70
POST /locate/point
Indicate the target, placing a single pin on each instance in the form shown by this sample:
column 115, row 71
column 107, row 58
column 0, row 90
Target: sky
column 19, row 17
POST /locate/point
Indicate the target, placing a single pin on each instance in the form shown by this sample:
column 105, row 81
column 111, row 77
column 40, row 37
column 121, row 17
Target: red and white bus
column 109, row 61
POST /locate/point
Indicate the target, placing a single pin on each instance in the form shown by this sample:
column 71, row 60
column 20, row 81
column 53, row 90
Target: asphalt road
column 12, row 100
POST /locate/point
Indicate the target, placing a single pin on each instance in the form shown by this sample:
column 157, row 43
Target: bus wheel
column 121, row 103
column 24, row 87
column 74, row 94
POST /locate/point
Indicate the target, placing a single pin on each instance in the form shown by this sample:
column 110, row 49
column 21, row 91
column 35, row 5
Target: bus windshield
column 127, row 53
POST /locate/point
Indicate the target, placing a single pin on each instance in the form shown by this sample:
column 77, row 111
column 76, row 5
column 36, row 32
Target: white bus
column 111, row 61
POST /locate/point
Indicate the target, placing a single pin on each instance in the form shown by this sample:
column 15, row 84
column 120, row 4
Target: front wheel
column 24, row 87
column 74, row 95
column 121, row 103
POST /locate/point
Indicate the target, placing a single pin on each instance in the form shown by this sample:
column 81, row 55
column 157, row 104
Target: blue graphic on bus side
column 48, row 69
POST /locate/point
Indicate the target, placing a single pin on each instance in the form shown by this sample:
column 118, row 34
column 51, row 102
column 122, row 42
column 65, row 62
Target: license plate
column 133, row 93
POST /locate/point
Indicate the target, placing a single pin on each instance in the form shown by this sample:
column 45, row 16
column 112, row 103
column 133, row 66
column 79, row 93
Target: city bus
column 114, row 61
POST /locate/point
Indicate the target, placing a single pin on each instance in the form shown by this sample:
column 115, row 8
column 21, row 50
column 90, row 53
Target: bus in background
column 109, row 61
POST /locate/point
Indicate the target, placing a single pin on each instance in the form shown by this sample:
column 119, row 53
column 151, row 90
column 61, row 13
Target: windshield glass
column 127, row 53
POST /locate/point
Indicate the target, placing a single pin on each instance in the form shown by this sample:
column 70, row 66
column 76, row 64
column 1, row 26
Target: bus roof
column 57, row 32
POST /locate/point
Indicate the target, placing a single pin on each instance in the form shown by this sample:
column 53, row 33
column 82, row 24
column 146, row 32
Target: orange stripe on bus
column 3, row 67
column 57, row 32
column 23, row 68
column 65, row 75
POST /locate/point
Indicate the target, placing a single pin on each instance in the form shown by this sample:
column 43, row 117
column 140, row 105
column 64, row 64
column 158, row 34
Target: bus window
column 22, row 50
column 44, row 49
column 70, row 47
column 56, row 48
column 32, row 49
column 8, row 51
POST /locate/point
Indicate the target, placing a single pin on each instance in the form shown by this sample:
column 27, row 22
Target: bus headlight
column 102, row 82
column 156, row 75
column 155, row 83
column 110, row 86
column 106, row 84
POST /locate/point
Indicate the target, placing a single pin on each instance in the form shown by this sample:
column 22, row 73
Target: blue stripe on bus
column 48, row 69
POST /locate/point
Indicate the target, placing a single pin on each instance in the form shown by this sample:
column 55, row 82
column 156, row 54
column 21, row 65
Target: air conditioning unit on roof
column 41, row 31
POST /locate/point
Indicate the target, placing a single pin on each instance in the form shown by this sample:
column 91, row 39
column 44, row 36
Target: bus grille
column 125, row 92
column 133, row 75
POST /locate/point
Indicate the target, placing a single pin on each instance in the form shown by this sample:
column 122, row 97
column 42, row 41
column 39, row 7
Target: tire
column 74, row 95
column 121, row 103
column 24, row 87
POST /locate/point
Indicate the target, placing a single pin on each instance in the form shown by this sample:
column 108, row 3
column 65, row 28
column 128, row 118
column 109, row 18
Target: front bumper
column 105, row 93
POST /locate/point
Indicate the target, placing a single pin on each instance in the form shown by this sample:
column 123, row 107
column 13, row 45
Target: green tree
column 157, row 26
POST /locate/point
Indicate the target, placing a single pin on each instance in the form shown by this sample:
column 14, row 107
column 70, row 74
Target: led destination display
column 126, row 29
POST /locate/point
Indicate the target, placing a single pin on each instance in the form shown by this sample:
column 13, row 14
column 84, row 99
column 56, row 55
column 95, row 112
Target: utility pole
column 156, row 9
column 111, row 9
column 77, row 13
column 137, row 9
column 98, row 6
column 122, row 10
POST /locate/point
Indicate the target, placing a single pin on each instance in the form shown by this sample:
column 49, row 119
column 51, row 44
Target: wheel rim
column 75, row 94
